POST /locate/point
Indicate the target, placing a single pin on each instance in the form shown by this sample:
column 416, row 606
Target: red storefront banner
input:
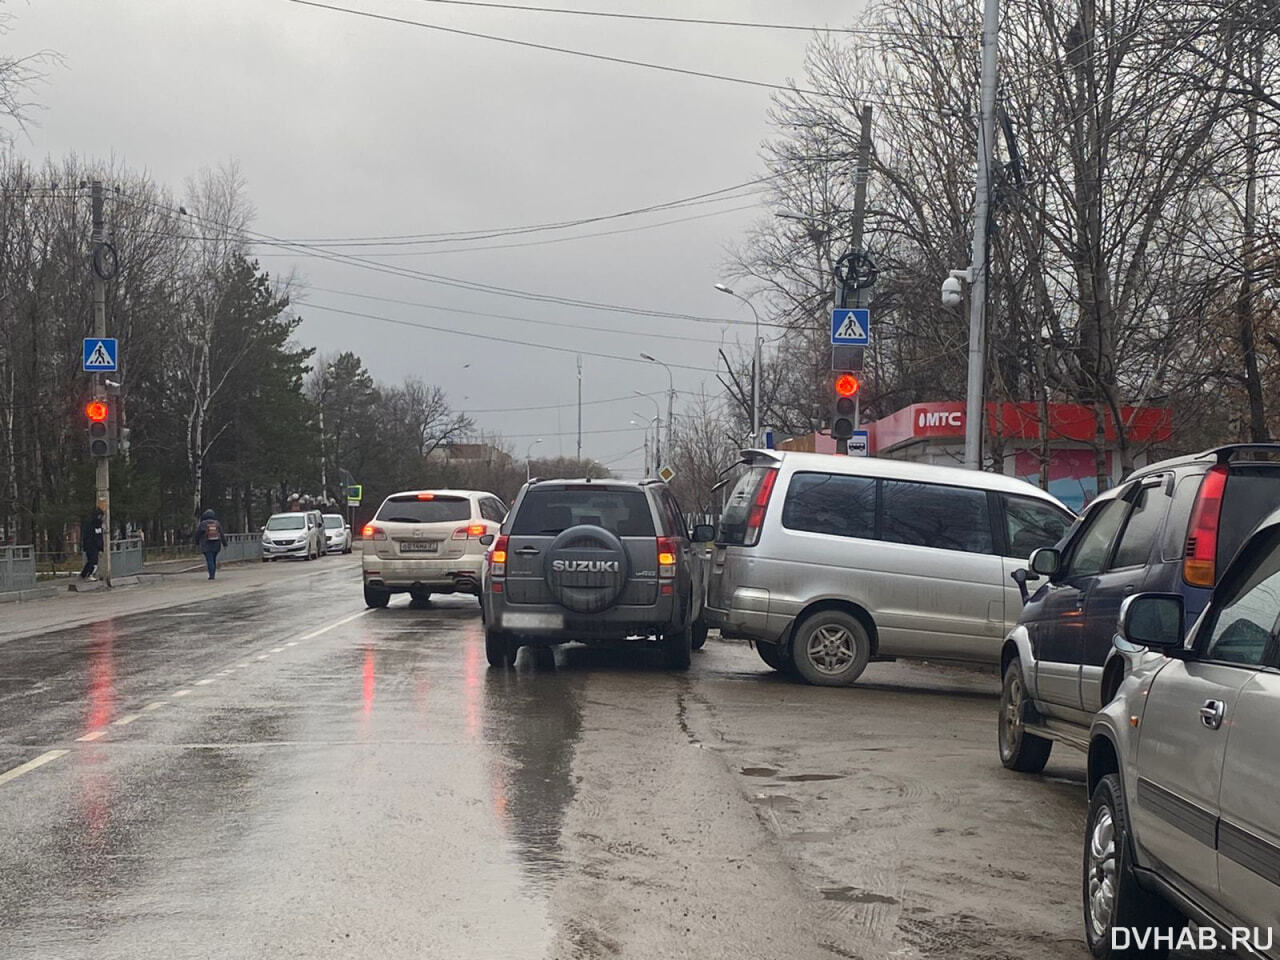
column 1020, row 421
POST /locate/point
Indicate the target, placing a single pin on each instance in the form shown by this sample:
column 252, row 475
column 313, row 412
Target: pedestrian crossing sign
column 101, row 355
column 851, row 327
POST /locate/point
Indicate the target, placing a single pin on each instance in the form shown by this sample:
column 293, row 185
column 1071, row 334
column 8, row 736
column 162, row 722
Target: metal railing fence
column 126, row 557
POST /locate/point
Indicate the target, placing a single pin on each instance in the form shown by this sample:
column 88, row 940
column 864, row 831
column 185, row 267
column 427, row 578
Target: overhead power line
column 614, row 15
column 550, row 48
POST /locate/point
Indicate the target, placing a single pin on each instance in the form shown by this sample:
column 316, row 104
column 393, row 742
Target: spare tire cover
column 586, row 569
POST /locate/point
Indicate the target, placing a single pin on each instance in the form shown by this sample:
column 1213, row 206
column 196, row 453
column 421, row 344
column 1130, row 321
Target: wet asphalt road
column 276, row 772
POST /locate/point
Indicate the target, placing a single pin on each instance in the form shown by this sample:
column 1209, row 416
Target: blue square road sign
column 851, row 327
column 101, row 355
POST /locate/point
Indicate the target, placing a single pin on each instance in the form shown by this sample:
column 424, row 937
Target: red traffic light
column 96, row 410
column 847, row 385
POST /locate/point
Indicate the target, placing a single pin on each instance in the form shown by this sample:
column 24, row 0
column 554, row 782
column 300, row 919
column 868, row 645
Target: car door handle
column 1212, row 712
column 528, row 552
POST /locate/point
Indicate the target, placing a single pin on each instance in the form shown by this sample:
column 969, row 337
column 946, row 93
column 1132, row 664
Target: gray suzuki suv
column 1184, row 772
column 591, row 561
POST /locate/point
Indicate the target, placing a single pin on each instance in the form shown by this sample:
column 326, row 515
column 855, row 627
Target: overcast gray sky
column 347, row 127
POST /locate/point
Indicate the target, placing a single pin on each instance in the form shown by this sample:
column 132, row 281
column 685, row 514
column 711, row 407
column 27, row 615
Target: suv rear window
column 737, row 506
column 546, row 511
column 1252, row 493
column 409, row 509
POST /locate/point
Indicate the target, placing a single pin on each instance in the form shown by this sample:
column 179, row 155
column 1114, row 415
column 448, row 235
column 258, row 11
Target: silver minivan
column 829, row 562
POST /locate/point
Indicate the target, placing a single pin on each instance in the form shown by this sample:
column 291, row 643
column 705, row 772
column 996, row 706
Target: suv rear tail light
column 666, row 558
column 475, row 530
column 498, row 558
column 370, row 532
column 755, row 519
column 1199, row 568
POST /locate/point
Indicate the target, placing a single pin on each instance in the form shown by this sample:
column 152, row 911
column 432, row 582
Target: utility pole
column 579, row 408
column 978, row 264
column 862, row 173
column 100, row 330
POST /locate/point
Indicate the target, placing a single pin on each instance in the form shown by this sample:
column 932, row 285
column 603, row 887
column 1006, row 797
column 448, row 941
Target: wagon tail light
column 666, row 558
column 472, row 532
column 498, row 560
column 755, row 519
column 1199, row 566
column 370, row 532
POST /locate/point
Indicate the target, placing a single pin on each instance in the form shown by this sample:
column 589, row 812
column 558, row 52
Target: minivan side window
column 933, row 515
column 842, row 506
column 1031, row 524
column 1149, row 509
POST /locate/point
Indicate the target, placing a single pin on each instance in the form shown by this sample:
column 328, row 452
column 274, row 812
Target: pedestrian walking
column 209, row 540
column 91, row 543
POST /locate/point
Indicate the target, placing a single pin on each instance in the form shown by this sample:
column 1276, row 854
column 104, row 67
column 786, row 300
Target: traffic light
column 846, row 388
column 101, row 414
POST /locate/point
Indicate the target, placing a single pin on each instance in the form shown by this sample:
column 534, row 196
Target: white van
column 829, row 562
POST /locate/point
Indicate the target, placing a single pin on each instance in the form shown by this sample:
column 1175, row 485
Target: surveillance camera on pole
column 952, row 292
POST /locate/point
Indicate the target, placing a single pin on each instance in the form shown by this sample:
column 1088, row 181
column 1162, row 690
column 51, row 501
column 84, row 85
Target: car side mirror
column 1153, row 620
column 486, row 540
column 703, row 533
column 1046, row 561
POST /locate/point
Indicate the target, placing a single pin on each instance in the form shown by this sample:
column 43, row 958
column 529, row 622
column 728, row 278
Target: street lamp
column 755, row 364
column 671, row 400
column 528, row 463
column 647, row 422
column 657, row 431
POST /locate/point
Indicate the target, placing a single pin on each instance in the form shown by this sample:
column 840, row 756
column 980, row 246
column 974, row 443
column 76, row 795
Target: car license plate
column 533, row 621
column 420, row 546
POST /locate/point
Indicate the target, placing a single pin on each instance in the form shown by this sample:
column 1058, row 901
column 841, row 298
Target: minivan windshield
column 288, row 521
column 410, row 509
column 547, row 511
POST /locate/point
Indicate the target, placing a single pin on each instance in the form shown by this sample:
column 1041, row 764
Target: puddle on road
column 810, row 777
column 758, row 771
column 854, row 895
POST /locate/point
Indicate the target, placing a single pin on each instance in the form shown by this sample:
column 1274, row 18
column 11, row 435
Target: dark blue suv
column 1171, row 527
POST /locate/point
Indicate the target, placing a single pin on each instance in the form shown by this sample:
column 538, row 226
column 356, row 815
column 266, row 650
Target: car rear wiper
column 402, row 520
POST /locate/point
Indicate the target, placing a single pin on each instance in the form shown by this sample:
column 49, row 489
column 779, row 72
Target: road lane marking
column 94, row 735
column 337, row 623
column 181, row 693
column 276, row 649
column 30, row 765
column 201, row 683
column 262, row 656
column 154, row 706
column 292, row 643
column 126, row 720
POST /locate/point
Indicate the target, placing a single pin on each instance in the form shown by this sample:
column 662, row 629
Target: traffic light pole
column 861, row 174
column 100, row 330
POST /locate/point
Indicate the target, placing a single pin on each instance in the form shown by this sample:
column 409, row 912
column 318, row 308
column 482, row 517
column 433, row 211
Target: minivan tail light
column 666, row 557
column 755, row 519
column 498, row 558
column 1199, row 566
column 370, row 532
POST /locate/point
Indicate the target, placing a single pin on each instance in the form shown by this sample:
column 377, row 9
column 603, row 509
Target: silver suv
column 594, row 560
column 1184, row 771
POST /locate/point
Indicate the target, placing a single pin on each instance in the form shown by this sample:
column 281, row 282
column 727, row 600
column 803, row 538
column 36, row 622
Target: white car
column 337, row 533
column 293, row 535
column 422, row 542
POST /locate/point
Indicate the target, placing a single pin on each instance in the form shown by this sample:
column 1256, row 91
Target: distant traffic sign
column 101, row 355
column 852, row 327
column 860, row 444
column 666, row 474
column 355, row 493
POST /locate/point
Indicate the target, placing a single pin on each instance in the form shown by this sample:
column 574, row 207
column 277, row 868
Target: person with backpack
column 91, row 543
column 209, row 540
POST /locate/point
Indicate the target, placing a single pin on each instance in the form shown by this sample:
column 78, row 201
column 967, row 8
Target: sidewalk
column 61, row 608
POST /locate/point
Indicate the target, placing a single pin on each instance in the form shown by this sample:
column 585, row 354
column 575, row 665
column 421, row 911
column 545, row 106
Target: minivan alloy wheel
column 1101, row 876
column 832, row 648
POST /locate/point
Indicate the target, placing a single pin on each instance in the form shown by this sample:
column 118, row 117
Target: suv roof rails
column 1227, row 452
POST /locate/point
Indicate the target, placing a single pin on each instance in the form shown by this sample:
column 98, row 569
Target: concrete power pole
column 100, row 330
column 579, row 408
column 974, row 405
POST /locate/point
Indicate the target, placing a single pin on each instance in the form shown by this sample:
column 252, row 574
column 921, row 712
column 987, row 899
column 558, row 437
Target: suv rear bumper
column 551, row 622
column 446, row 575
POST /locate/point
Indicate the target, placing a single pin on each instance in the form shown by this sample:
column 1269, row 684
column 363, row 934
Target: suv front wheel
column 1019, row 750
column 831, row 648
column 1112, row 897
